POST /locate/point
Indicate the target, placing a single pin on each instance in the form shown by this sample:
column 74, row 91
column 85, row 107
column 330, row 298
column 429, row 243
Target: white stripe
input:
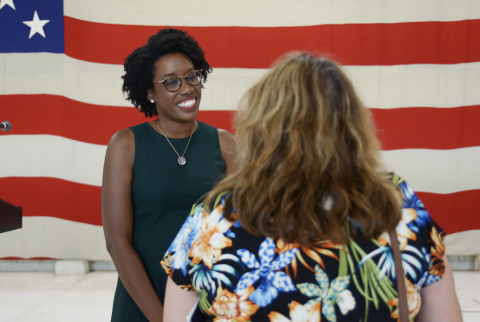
column 379, row 86
column 436, row 171
column 63, row 239
column 254, row 13
column 422, row 85
column 57, row 74
column 463, row 243
column 54, row 238
column 52, row 156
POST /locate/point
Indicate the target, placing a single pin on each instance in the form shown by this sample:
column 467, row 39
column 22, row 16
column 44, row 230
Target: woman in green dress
column 155, row 171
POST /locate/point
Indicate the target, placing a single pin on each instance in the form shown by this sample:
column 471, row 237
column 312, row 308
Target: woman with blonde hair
column 299, row 232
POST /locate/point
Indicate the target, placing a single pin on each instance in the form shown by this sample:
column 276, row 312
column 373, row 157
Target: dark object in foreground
column 10, row 217
column 5, row 126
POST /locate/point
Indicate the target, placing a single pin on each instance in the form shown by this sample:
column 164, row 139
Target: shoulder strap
column 401, row 287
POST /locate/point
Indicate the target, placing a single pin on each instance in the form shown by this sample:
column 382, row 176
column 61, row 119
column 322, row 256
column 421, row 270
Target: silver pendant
column 182, row 160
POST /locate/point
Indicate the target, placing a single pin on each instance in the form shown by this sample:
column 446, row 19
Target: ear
column 150, row 96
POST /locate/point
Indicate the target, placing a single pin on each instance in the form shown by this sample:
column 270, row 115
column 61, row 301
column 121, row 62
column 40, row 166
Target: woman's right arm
column 439, row 301
column 178, row 302
column 117, row 216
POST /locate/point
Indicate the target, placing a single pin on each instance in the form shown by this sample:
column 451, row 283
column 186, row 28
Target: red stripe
column 454, row 212
column 31, row 258
column 428, row 127
column 257, row 47
column 57, row 198
column 50, row 197
column 218, row 119
column 57, row 115
column 402, row 128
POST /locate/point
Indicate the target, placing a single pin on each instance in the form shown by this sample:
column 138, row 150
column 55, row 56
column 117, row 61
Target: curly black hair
column 139, row 65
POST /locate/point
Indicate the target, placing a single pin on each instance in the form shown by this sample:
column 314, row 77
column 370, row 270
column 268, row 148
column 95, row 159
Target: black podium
column 10, row 217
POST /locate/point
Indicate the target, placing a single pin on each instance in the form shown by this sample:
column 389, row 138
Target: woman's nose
column 186, row 88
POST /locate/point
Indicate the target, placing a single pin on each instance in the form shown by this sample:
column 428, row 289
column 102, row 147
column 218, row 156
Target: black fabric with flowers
column 240, row 277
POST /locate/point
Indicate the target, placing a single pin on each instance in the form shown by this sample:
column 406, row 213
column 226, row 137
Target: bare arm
column 178, row 302
column 439, row 301
column 117, row 216
column 229, row 148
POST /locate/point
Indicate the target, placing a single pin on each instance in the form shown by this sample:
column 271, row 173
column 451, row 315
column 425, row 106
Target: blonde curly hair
column 309, row 158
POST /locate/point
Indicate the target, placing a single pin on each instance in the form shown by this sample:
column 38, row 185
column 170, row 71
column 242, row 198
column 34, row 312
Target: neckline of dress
column 199, row 128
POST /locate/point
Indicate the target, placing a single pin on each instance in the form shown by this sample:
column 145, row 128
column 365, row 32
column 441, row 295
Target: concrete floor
column 40, row 297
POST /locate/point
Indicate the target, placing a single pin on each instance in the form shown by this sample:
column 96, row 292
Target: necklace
column 181, row 159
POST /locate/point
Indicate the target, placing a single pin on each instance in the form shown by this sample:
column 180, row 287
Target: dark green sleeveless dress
column 163, row 193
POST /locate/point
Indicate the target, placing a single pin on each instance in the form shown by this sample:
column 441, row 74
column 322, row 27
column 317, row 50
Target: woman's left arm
column 229, row 148
column 439, row 300
column 178, row 302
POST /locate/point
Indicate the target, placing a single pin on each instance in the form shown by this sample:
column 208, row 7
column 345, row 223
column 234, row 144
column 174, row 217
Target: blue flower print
column 329, row 293
column 229, row 233
column 209, row 280
column 410, row 200
column 272, row 280
column 183, row 242
column 412, row 262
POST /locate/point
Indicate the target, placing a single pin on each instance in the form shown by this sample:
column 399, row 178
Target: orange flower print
column 312, row 252
column 414, row 302
column 298, row 313
column 167, row 264
column 403, row 232
column 437, row 266
column 231, row 307
column 211, row 239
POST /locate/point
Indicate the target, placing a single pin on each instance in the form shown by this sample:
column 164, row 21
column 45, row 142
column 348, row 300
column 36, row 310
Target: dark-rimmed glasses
column 173, row 84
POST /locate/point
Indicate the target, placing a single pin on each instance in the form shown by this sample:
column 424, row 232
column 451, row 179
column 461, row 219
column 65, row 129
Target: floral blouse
column 240, row 277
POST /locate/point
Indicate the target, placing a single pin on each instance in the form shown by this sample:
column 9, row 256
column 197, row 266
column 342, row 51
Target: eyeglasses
column 173, row 84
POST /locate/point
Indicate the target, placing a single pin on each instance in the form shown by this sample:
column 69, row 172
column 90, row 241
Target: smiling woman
column 148, row 186
column 176, row 102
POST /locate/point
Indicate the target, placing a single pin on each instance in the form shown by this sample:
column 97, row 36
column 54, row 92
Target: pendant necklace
column 181, row 159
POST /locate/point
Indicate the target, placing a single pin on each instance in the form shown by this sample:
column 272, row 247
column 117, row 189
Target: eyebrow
column 173, row 74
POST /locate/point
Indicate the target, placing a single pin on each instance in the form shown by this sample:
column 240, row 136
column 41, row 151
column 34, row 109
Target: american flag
column 416, row 64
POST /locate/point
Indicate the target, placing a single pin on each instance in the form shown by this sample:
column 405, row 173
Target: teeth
column 188, row 103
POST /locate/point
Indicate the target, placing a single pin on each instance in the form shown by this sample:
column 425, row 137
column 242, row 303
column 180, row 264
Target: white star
column 3, row 3
column 36, row 25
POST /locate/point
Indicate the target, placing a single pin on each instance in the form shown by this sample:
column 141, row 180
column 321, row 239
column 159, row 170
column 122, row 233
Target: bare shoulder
column 225, row 136
column 227, row 140
column 117, row 172
column 122, row 138
column 121, row 148
column 228, row 146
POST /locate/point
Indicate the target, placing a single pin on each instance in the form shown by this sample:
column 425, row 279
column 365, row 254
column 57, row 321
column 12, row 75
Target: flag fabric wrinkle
column 415, row 65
